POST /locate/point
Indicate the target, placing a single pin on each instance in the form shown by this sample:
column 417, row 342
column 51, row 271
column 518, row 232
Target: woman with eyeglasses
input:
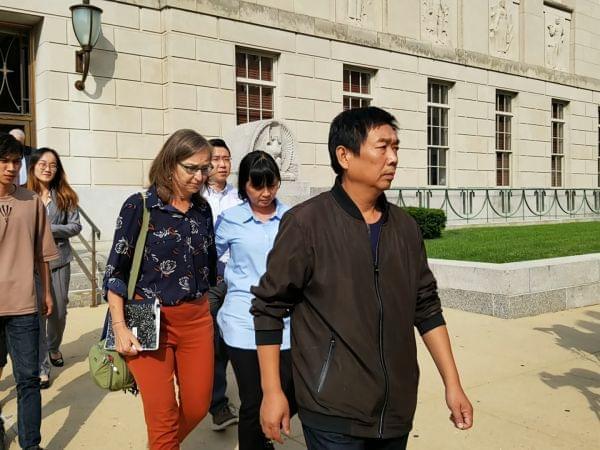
column 47, row 178
column 248, row 231
column 177, row 269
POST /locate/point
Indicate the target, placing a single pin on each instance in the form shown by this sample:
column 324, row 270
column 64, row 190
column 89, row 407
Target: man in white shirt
column 218, row 192
column 19, row 135
column 221, row 196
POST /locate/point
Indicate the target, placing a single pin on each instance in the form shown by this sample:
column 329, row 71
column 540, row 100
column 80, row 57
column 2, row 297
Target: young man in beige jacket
column 26, row 244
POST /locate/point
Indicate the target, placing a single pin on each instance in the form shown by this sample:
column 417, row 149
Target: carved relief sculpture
column 271, row 136
column 357, row 10
column 501, row 27
column 434, row 17
column 555, row 42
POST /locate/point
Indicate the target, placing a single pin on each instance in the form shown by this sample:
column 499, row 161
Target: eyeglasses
column 193, row 170
column 43, row 165
column 225, row 159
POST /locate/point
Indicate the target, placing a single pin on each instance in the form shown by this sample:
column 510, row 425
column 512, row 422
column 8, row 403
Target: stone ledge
column 327, row 29
column 519, row 289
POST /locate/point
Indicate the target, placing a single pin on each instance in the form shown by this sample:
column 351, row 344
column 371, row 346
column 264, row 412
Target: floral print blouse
column 179, row 261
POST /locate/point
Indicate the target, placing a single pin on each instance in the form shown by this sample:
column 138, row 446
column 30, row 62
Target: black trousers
column 326, row 440
column 247, row 373
column 216, row 295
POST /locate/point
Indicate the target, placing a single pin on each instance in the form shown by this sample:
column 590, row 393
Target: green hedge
column 431, row 221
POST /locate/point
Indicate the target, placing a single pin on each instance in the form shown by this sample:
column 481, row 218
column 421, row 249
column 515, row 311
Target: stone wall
column 161, row 65
column 519, row 289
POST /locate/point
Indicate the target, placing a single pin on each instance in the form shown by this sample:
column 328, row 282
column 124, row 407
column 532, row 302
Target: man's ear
column 343, row 156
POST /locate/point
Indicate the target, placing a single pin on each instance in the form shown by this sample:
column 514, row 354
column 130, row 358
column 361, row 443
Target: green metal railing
column 486, row 205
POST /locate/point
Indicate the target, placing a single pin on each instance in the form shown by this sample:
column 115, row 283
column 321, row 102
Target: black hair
column 9, row 146
column 218, row 142
column 260, row 169
column 66, row 197
column 351, row 127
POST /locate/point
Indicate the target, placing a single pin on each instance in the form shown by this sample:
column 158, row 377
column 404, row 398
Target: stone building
column 487, row 92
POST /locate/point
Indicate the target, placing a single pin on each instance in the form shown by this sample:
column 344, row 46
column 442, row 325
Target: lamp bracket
column 79, row 61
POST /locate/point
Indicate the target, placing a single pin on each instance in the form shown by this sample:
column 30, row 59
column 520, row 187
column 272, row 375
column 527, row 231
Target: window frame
column 504, row 155
column 357, row 95
column 557, row 158
column 438, row 148
column 255, row 82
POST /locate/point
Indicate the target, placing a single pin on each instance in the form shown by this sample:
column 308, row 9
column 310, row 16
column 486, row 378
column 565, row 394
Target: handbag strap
column 139, row 250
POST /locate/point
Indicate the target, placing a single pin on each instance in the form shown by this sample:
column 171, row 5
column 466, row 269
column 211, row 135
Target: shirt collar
column 248, row 215
column 154, row 201
column 211, row 191
column 152, row 198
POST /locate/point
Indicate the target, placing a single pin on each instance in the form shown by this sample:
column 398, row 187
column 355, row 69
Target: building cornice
column 252, row 13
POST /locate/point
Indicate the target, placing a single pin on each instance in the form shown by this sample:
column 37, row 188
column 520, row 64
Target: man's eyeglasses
column 193, row 170
column 43, row 165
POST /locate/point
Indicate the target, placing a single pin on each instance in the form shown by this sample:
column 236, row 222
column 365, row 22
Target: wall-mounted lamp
column 86, row 24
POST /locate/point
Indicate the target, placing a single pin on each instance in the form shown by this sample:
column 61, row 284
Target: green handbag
column 109, row 369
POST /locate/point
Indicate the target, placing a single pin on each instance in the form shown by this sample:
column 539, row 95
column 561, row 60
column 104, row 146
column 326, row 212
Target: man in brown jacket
column 351, row 270
column 26, row 244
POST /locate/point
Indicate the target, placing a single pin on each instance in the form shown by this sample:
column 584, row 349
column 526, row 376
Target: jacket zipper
column 325, row 368
column 381, row 357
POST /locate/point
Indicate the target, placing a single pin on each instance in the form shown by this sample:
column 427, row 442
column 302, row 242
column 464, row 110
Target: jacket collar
column 344, row 200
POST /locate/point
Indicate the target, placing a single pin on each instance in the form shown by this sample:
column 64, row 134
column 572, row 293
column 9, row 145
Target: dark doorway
column 16, row 88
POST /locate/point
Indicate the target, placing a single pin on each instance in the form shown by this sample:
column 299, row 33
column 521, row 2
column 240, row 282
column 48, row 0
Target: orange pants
column 185, row 353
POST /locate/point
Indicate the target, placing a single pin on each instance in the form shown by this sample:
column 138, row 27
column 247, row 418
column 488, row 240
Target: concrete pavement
column 534, row 383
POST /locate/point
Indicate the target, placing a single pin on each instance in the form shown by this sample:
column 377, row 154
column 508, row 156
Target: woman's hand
column 126, row 343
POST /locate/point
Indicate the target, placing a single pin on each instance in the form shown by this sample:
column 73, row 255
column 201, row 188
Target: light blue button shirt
column 23, row 172
column 249, row 242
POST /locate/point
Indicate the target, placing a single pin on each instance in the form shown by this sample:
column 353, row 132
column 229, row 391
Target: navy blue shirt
column 374, row 232
column 179, row 261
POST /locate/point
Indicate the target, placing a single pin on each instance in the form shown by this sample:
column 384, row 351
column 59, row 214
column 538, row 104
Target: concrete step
column 80, row 286
column 80, row 281
column 83, row 297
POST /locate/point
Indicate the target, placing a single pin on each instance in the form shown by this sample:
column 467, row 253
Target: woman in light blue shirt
column 248, row 232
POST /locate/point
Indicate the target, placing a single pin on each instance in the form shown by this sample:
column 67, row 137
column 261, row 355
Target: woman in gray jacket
column 47, row 178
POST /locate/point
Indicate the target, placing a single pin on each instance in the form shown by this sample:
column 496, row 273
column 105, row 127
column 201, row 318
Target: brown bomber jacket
column 353, row 342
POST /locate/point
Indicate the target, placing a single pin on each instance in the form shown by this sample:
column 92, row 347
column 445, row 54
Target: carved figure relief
column 277, row 140
column 271, row 136
column 555, row 42
column 273, row 147
column 357, row 10
column 434, row 17
column 501, row 27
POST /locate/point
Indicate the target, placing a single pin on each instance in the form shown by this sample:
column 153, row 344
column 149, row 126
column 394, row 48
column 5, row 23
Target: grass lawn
column 516, row 243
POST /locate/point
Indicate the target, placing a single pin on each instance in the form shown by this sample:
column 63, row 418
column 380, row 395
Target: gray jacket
column 64, row 224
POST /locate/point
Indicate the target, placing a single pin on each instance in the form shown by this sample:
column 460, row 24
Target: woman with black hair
column 248, row 232
column 47, row 178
